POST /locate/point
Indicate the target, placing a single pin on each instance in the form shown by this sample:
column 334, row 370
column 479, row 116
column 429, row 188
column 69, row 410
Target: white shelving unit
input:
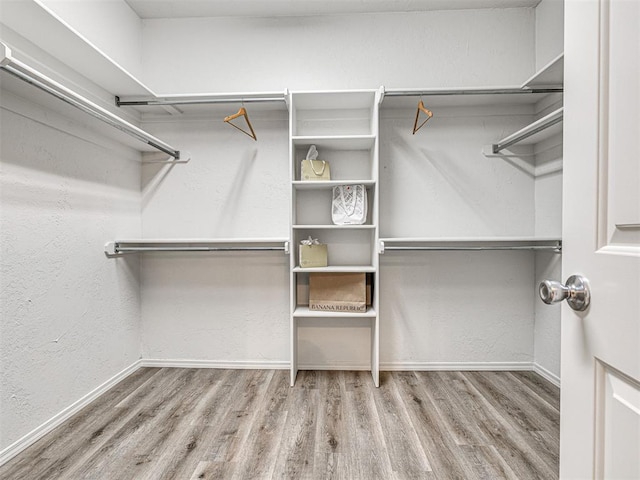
column 344, row 127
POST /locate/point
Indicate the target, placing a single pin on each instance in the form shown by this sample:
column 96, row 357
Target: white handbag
column 349, row 205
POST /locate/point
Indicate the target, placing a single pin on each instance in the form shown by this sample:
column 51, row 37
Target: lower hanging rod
column 193, row 249
column 556, row 248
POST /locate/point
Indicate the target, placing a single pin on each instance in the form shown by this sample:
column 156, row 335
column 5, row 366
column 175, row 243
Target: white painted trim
column 302, row 366
column 452, row 366
column 226, row 364
column 389, row 366
column 546, row 374
column 39, row 432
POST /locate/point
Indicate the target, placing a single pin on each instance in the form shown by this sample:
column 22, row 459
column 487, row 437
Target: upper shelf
column 334, row 100
column 327, row 184
column 40, row 25
column 551, row 75
column 336, row 142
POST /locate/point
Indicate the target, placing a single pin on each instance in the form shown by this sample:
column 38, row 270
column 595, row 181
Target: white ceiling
column 269, row 8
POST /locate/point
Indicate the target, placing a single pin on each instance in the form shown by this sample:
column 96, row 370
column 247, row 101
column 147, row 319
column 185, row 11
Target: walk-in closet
column 186, row 187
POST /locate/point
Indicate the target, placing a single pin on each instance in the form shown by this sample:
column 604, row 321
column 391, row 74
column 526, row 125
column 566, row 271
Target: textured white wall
column 431, row 49
column 456, row 307
column 437, row 183
column 547, row 317
column 548, row 223
column 233, row 186
column 70, row 316
column 228, row 307
column 549, row 31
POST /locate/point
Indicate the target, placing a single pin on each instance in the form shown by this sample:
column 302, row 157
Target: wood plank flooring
column 167, row 423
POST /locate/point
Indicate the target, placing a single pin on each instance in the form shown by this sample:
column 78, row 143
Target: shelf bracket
column 164, row 158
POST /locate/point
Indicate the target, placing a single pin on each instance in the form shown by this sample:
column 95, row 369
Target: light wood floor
column 249, row 424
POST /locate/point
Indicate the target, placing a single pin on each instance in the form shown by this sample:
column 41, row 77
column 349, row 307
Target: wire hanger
column 241, row 113
column 423, row 109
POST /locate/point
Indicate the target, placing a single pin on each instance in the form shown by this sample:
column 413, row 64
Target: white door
column 600, row 397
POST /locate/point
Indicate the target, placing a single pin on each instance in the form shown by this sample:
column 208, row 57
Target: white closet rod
column 459, row 244
column 119, row 249
column 555, row 248
column 37, row 79
column 195, row 245
column 168, row 101
column 530, row 130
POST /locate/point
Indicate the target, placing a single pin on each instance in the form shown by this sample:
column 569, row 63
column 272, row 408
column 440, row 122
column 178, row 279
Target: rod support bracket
column 5, row 54
column 110, row 249
column 286, row 248
column 381, row 247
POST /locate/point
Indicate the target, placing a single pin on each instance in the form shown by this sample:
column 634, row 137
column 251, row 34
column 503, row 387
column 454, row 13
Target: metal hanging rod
column 469, row 91
column 416, row 244
column 37, row 79
column 195, row 245
column 168, row 101
column 530, row 130
column 556, row 248
column 119, row 249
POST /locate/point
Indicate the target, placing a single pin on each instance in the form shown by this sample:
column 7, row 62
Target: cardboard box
column 302, row 290
column 313, row 256
column 337, row 292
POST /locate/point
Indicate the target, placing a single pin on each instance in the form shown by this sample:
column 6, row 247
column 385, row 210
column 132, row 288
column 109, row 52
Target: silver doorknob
column 575, row 291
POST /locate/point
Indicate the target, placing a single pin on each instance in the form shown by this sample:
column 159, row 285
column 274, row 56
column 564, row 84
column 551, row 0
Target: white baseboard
column 462, row 366
column 39, row 432
column 226, row 364
column 388, row 366
column 546, row 374
column 308, row 366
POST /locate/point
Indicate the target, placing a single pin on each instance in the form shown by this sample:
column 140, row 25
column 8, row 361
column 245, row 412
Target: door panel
column 600, row 401
column 620, row 116
column 618, row 408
